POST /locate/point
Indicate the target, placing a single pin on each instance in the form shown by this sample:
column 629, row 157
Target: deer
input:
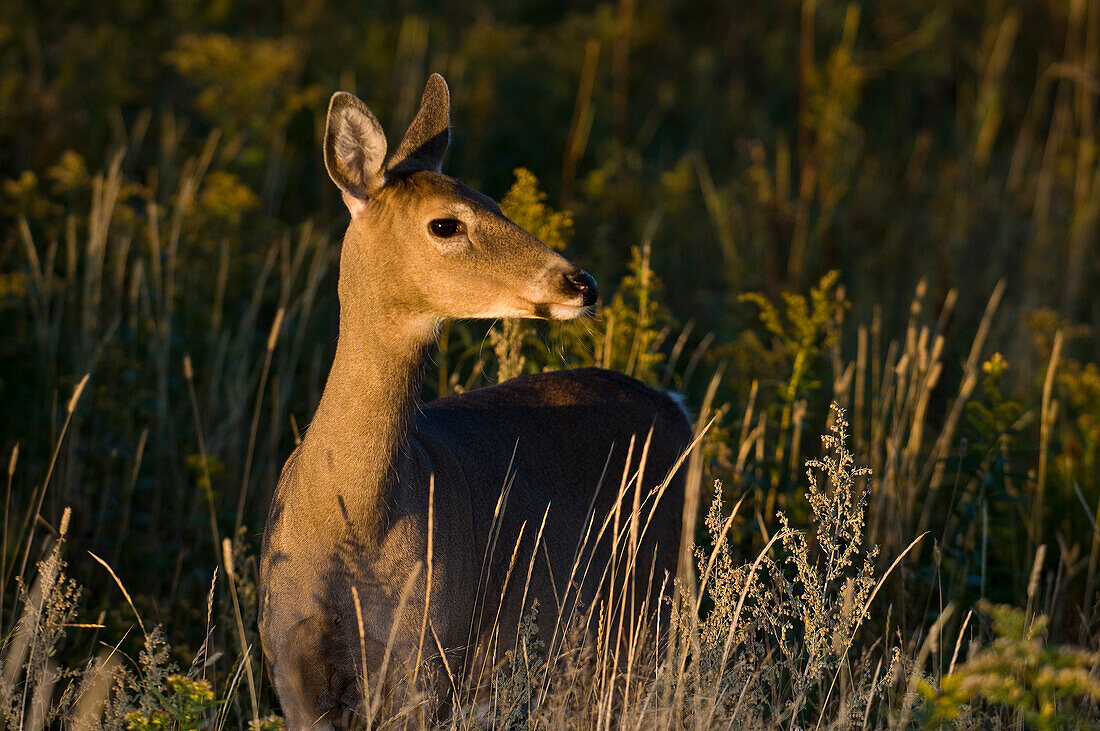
column 382, row 482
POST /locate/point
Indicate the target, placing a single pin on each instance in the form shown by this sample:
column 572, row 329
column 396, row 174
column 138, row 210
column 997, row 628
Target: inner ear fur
column 425, row 143
column 355, row 147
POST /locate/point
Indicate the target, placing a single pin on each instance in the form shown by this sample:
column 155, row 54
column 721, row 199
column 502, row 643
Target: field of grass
column 860, row 237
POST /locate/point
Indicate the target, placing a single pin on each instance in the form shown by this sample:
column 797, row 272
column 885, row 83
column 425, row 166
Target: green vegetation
column 890, row 207
column 1049, row 686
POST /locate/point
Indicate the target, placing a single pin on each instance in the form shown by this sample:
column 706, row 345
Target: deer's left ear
column 354, row 147
column 425, row 143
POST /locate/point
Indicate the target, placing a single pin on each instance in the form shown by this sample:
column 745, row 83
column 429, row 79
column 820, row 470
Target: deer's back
column 556, row 426
column 565, row 436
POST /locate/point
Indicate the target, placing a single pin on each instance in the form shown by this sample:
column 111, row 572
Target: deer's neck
column 362, row 420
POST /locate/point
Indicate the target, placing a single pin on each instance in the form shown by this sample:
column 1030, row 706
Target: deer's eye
column 445, row 228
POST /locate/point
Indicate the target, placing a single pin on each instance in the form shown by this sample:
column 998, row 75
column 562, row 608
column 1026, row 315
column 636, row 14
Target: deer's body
column 352, row 505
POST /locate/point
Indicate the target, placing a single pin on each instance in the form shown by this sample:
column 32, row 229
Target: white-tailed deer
column 351, row 510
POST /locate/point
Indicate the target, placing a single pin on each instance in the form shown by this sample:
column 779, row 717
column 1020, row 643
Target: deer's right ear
column 355, row 149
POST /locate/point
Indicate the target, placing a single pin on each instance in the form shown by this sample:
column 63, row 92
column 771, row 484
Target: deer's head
column 424, row 242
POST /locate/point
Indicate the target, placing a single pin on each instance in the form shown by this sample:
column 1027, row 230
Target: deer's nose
column 582, row 282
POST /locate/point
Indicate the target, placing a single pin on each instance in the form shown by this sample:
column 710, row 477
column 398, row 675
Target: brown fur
column 351, row 506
